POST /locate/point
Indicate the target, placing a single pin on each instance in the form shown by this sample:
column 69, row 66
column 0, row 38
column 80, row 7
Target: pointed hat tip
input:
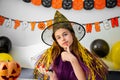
column 57, row 12
column 59, row 17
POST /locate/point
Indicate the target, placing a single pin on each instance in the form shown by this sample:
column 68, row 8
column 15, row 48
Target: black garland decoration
column 87, row 4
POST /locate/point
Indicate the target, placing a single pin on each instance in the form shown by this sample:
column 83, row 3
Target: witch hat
column 60, row 18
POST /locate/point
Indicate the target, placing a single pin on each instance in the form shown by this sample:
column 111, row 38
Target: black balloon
column 88, row 4
column 99, row 47
column 111, row 3
column 27, row 1
column 5, row 44
column 67, row 4
column 46, row 3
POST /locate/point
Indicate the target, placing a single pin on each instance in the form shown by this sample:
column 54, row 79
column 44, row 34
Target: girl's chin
column 65, row 47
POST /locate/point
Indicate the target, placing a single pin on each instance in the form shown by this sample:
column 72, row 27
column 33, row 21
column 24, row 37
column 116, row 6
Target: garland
column 76, row 4
column 41, row 25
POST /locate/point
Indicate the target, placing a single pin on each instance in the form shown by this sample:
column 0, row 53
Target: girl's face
column 63, row 37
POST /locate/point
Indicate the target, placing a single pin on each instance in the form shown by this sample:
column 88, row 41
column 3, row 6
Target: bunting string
column 41, row 25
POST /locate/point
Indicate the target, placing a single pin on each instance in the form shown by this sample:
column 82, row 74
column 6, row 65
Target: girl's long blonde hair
column 93, row 63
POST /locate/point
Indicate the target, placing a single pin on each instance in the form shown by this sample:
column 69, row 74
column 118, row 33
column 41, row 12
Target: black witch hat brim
column 47, row 33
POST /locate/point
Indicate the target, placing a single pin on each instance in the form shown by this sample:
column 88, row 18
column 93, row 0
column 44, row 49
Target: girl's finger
column 41, row 70
column 44, row 71
column 65, row 48
column 68, row 49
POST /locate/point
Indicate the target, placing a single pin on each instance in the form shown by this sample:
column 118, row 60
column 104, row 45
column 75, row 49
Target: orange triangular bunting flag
column 88, row 28
column 33, row 25
column 97, row 26
column 17, row 24
column 2, row 19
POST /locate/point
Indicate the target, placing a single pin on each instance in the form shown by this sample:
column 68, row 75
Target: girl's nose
column 63, row 39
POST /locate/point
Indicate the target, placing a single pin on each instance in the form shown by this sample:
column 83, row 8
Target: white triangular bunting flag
column 24, row 25
column 8, row 23
column 106, row 24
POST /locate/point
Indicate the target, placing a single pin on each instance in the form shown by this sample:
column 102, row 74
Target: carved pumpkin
column 99, row 4
column 88, row 4
column 9, row 70
column 111, row 3
column 46, row 3
column 41, row 25
column 67, row 4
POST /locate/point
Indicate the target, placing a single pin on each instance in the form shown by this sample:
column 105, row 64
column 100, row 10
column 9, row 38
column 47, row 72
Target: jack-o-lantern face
column 111, row 3
column 88, row 4
column 46, row 3
column 9, row 70
column 67, row 4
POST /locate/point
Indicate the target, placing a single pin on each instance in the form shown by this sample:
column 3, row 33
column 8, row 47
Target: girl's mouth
column 65, row 43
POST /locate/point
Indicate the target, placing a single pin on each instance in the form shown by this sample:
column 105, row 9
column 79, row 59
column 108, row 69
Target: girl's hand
column 67, row 55
column 51, row 74
column 42, row 70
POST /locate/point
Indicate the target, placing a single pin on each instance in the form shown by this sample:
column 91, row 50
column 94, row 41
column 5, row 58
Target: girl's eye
column 65, row 34
column 57, row 37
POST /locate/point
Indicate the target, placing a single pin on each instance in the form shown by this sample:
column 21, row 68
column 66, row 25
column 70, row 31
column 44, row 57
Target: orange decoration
column 97, row 26
column 17, row 24
column 57, row 4
column 88, row 28
column 2, row 19
column 114, row 22
column 36, row 2
column 77, row 4
column 41, row 25
column 49, row 22
column 99, row 4
column 33, row 25
column 9, row 70
column 118, row 3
